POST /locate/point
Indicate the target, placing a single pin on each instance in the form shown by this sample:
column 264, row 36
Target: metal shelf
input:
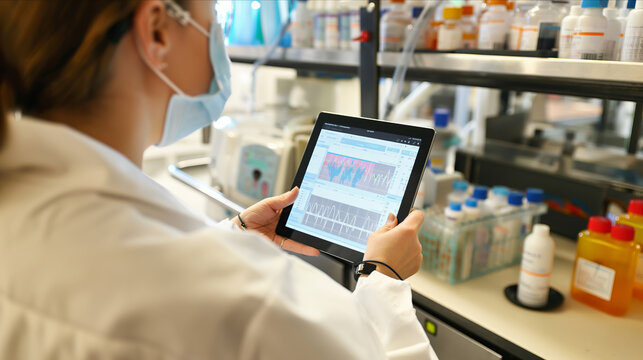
column 337, row 61
column 599, row 79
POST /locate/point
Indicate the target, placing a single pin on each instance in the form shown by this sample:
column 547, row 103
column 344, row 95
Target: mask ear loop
column 158, row 73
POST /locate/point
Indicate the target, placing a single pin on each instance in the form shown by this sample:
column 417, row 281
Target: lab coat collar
column 67, row 160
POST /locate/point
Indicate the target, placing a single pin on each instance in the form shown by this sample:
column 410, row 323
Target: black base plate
column 555, row 299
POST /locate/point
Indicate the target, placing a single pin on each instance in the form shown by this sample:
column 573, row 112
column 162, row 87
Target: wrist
column 239, row 222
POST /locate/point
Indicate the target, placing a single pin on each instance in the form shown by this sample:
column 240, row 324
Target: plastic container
column 634, row 218
column 589, row 41
column 534, row 198
column 445, row 141
column 471, row 210
column 302, row 25
column 469, row 27
column 331, row 34
column 450, row 33
column 622, row 18
column 633, row 35
column 604, row 269
column 421, row 43
column 506, row 229
column 319, row 23
column 498, row 199
column 494, row 26
column 515, row 30
column 567, row 29
column 541, row 28
column 613, row 33
column 393, row 26
column 459, row 193
column 453, row 213
column 457, row 252
column 536, row 267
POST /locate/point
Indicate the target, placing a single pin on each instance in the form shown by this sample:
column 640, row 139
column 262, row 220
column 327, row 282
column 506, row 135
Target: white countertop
column 573, row 331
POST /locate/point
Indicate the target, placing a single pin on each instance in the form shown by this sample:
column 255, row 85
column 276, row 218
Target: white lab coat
column 98, row 261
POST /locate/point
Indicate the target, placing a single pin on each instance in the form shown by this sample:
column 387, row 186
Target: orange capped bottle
column 634, row 218
column 605, row 266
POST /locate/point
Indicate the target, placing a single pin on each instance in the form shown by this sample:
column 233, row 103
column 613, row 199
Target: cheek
column 190, row 66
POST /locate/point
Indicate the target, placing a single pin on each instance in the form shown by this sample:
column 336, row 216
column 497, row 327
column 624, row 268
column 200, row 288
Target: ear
column 150, row 25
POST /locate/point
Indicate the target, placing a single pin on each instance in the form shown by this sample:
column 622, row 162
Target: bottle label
column 515, row 36
column 633, row 44
column 639, row 270
column 493, row 35
column 565, row 45
column 529, row 39
column 594, row 279
column 588, row 45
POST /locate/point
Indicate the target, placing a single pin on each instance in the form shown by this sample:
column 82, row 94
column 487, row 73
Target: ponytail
column 5, row 100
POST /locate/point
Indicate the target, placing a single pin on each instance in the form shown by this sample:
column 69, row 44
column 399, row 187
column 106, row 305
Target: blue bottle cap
column 471, row 202
column 460, row 185
column 455, row 206
column 535, row 195
column 417, row 10
column 594, row 3
column 384, row 11
column 630, row 4
column 480, row 192
column 500, row 190
column 515, row 198
column 441, row 117
column 437, row 171
column 428, row 163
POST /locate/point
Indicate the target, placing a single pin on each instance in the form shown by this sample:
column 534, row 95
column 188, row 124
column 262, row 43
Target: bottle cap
column 480, row 192
column 622, row 232
column 398, row 1
column 441, row 117
column 576, row 10
column 467, row 10
column 636, row 205
column 384, row 11
column 500, row 191
column 455, row 206
column 535, row 195
column 452, row 13
column 428, row 164
column 511, row 5
column 515, row 198
column 541, row 230
column 594, row 4
column 461, row 185
column 417, row 10
column 630, row 4
column 471, row 202
column 599, row 224
column 497, row 2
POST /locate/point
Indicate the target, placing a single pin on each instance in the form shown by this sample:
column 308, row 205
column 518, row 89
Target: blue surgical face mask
column 186, row 114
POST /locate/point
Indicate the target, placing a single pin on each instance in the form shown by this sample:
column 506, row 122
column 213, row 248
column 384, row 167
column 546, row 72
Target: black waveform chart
column 356, row 173
column 346, row 221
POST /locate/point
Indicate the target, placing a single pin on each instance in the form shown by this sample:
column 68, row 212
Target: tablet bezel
column 425, row 134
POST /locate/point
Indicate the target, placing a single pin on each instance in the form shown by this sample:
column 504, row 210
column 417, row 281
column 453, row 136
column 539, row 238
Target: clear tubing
column 405, row 59
column 263, row 59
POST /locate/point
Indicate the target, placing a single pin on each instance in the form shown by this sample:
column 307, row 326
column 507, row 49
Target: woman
column 98, row 261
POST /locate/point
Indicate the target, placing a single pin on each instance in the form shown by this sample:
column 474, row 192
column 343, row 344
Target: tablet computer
column 354, row 172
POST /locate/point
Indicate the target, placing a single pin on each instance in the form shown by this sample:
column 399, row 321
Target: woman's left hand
column 263, row 217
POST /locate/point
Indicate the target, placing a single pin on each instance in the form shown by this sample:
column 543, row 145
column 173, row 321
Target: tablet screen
column 354, row 179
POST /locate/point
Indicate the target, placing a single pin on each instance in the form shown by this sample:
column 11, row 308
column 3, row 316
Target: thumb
column 279, row 202
column 391, row 222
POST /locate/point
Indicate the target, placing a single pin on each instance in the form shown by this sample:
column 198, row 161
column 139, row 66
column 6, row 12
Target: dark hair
column 56, row 52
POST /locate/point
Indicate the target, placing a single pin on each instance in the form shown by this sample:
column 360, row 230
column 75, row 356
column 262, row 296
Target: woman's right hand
column 397, row 246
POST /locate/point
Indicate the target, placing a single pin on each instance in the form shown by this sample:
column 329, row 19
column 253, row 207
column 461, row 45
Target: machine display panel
column 354, row 172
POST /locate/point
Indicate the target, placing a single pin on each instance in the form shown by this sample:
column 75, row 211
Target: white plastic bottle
column 622, row 18
column 459, row 193
column 515, row 30
column 393, row 26
column 453, row 213
column 633, row 35
column 319, row 23
column 613, row 33
column 421, row 43
column 471, row 210
column 445, row 141
column 355, row 22
column 302, row 25
column 498, row 199
column 450, row 33
column 331, row 33
column 481, row 193
column 471, row 213
column 536, row 267
column 542, row 24
column 589, row 41
column 533, row 199
column 494, row 26
column 567, row 28
column 420, row 198
column 469, row 27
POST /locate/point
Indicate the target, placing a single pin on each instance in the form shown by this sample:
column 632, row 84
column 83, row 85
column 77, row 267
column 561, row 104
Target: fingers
column 299, row 248
column 281, row 201
column 414, row 220
column 391, row 222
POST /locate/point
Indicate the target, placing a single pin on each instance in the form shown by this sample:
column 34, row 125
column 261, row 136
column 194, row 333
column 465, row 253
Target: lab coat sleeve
column 389, row 307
